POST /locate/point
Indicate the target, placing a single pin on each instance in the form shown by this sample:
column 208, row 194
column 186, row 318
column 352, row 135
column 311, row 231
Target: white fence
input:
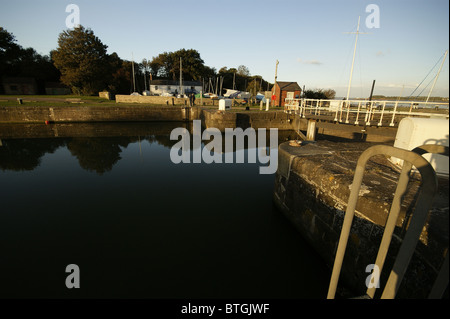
column 369, row 112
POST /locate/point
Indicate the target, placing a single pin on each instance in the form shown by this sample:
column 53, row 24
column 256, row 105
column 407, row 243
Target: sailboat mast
column 181, row 75
column 353, row 61
column 145, row 80
column 132, row 68
column 234, row 78
column 275, row 83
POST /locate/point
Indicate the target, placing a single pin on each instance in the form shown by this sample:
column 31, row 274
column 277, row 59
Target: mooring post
column 311, row 130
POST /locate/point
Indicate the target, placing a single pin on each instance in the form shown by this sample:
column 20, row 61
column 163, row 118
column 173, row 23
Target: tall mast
column 437, row 75
column 132, row 67
column 353, row 61
column 275, row 82
column 181, row 76
column 234, row 78
column 145, row 80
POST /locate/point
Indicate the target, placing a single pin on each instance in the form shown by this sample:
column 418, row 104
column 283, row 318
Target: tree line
column 25, row 62
column 82, row 63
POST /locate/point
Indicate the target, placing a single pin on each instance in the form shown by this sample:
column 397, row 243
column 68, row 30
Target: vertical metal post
column 380, row 123
column 357, row 113
column 337, row 111
column 393, row 114
column 348, row 113
column 391, row 221
column 311, row 130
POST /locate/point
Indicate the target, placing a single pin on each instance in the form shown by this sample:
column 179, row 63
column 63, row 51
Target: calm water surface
column 139, row 226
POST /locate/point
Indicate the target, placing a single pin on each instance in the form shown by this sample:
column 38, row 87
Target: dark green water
column 139, row 226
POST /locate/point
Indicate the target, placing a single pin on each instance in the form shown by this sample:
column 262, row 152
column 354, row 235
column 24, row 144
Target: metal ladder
column 428, row 190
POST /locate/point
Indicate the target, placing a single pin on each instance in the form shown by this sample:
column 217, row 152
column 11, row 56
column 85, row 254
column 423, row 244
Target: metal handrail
column 424, row 202
column 355, row 106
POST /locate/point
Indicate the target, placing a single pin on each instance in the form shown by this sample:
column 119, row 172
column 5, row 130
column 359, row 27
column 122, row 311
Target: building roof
column 175, row 83
column 288, row 86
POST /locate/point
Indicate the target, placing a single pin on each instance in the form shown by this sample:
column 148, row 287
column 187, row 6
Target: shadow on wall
column 439, row 162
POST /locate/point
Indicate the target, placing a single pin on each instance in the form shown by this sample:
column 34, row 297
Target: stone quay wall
column 27, row 114
column 312, row 187
column 165, row 100
column 210, row 116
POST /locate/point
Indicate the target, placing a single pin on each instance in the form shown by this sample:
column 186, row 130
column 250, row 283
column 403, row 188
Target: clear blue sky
column 307, row 37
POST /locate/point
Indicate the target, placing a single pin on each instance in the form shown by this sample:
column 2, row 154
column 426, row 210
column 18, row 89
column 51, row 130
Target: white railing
column 353, row 111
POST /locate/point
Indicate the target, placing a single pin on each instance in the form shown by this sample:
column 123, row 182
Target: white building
column 169, row 87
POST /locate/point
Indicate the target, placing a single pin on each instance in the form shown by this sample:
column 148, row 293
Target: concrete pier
column 312, row 186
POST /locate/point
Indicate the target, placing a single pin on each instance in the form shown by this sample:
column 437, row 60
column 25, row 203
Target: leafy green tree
column 121, row 77
column 82, row 59
column 208, row 72
column 319, row 94
column 17, row 61
column 192, row 64
column 330, row 94
column 243, row 71
column 167, row 65
column 9, row 52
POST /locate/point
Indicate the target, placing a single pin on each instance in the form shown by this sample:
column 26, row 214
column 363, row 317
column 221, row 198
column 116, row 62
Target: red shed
column 282, row 89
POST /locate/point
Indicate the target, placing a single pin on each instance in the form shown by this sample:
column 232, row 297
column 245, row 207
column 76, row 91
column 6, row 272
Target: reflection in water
column 140, row 226
column 25, row 154
column 97, row 154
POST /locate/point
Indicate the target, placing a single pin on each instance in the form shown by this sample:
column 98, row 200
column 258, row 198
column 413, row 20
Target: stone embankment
column 211, row 117
column 312, row 187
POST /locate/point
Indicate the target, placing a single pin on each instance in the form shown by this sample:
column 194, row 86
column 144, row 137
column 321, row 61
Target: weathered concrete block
column 312, row 187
